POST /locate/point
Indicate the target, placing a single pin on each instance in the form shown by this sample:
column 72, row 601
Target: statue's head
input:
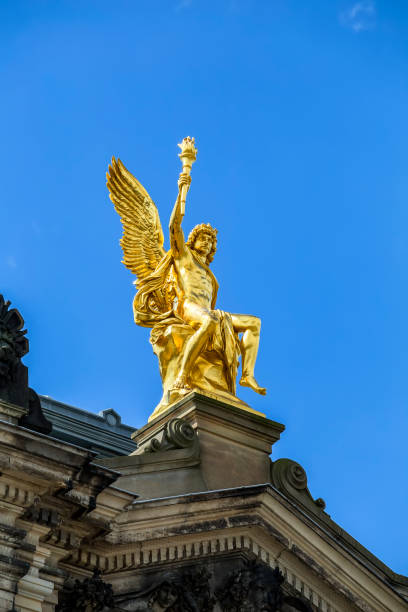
column 203, row 240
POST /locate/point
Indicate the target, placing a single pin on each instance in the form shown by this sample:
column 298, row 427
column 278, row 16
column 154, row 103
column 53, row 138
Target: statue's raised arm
column 188, row 156
column 177, row 244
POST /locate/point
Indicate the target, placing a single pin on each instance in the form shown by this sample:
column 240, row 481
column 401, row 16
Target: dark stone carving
column 90, row 594
column 196, row 593
column 187, row 591
column 13, row 346
column 35, row 418
column 177, row 433
column 163, row 597
column 290, row 478
column 255, row 587
column 13, row 343
column 13, row 373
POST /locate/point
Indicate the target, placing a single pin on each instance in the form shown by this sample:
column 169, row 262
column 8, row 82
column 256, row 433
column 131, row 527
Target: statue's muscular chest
column 195, row 281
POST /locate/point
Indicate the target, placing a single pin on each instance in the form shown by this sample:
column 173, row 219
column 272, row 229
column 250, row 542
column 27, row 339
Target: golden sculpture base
column 176, row 395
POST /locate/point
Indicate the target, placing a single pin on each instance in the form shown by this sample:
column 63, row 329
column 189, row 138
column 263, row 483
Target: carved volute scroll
column 177, row 433
column 290, row 478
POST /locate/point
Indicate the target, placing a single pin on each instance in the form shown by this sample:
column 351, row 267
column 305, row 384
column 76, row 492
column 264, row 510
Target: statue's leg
column 205, row 322
column 250, row 327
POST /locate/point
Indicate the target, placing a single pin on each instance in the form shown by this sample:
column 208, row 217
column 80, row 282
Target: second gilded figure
column 198, row 346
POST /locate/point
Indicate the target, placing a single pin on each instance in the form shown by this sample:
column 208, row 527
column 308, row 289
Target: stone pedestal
column 235, row 444
column 218, row 446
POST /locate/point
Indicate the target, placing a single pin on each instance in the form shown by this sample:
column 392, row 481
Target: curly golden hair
column 203, row 228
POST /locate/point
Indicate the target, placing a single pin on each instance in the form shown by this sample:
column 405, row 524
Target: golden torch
column 188, row 156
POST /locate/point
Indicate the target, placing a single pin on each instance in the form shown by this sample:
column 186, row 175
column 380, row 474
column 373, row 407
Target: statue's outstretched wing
column 142, row 240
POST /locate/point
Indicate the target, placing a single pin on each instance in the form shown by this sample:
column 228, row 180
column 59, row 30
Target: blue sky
column 299, row 110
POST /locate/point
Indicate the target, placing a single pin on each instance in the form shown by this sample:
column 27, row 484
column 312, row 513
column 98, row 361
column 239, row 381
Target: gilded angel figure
column 197, row 345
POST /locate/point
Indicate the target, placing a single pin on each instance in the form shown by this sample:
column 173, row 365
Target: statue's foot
column 249, row 381
column 181, row 382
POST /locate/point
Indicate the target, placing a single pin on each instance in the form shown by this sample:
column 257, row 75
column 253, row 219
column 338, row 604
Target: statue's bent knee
column 257, row 324
column 254, row 324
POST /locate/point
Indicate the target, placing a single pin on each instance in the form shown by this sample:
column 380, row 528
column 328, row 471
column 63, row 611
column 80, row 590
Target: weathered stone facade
column 198, row 518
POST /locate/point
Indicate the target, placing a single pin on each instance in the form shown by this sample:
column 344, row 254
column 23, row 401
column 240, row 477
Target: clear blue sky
column 299, row 110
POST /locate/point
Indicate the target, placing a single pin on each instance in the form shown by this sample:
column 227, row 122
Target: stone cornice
column 258, row 519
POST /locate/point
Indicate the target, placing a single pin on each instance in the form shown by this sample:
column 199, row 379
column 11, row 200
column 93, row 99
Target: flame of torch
column 188, row 156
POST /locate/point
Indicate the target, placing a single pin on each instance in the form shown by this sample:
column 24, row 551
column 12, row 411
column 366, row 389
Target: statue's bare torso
column 194, row 281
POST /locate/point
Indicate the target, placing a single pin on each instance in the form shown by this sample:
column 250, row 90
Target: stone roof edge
column 322, row 521
column 80, row 429
column 75, row 409
column 347, row 541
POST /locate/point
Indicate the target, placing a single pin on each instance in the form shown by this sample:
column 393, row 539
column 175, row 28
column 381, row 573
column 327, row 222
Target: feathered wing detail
column 142, row 240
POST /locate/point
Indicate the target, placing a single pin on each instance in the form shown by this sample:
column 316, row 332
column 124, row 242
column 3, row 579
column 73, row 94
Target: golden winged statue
column 197, row 345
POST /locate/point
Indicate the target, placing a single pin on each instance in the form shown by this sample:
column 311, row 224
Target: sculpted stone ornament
column 290, row 478
column 14, row 374
column 252, row 588
column 13, row 346
column 155, row 599
column 189, row 591
column 177, row 433
column 90, row 595
column 197, row 345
